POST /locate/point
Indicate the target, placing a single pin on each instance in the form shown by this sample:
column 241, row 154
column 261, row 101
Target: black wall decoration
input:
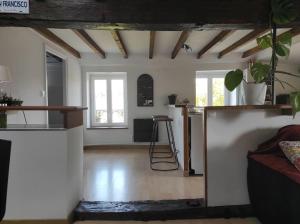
column 145, row 91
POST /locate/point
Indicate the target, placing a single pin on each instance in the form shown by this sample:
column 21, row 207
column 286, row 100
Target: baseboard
column 94, row 147
column 50, row 221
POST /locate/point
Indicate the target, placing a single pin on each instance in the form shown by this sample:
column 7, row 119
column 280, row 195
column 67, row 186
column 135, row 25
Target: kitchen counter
column 46, row 165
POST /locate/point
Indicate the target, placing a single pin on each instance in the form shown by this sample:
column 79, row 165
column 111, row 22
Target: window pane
column 218, row 92
column 201, row 92
column 117, row 98
column 100, row 101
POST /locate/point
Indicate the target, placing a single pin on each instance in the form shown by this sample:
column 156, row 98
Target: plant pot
column 255, row 94
column 172, row 99
column 3, row 120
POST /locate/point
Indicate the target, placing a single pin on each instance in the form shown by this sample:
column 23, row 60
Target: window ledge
column 106, row 128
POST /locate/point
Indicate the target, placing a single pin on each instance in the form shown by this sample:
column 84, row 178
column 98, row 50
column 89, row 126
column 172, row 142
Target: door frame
column 51, row 50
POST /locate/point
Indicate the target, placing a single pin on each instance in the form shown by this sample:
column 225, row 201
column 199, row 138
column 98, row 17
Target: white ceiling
column 104, row 40
column 137, row 42
column 232, row 38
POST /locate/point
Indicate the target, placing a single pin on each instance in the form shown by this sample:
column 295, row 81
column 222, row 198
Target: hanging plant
column 282, row 12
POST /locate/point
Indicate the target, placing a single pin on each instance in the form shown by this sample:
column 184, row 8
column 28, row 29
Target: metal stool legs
column 159, row 156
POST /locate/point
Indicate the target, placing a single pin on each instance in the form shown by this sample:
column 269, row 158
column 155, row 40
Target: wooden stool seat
column 158, row 119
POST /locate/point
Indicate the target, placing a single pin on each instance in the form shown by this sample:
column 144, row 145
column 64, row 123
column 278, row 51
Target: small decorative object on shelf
column 268, row 98
column 185, row 101
column 172, row 99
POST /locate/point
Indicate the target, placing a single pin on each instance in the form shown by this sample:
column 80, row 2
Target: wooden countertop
column 176, row 105
column 33, row 127
column 49, row 108
column 73, row 116
column 286, row 109
column 250, row 107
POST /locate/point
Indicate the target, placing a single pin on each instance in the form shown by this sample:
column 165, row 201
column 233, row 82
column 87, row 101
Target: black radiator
column 143, row 130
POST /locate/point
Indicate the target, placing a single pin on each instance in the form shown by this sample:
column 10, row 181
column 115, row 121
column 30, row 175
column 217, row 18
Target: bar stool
column 163, row 157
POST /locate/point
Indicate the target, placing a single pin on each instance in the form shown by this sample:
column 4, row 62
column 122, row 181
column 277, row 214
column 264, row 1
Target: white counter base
column 45, row 177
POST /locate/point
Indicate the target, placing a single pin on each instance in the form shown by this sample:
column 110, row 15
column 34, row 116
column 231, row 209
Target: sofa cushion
column 291, row 149
column 287, row 133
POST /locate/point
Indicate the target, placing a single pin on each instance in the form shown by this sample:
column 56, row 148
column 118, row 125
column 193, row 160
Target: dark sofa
column 274, row 189
column 274, row 182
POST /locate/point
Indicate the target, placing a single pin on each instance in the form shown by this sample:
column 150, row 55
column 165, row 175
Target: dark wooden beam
column 182, row 39
column 251, row 51
column 255, row 50
column 55, row 39
column 151, row 45
column 117, row 37
column 221, row 36
column 145, row 14
column 85, row 37
column 250, row 36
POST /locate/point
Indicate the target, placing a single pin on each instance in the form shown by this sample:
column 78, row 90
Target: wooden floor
column 125, row 175
column 200, row 221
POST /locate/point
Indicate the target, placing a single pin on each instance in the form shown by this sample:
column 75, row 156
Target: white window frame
column 107, row 76
column 230, row 98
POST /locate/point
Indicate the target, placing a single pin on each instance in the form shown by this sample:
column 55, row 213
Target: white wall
column 45, row 176
column 23, row 51
column 170, row 76
column 287, row 67
column 74, row 92
column 230, row 135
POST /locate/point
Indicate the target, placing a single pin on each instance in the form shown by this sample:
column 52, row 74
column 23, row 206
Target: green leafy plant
column 282, row 12
column 10, row 101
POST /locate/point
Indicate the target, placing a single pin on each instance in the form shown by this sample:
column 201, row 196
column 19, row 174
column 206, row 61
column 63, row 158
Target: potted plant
column 255, row 90
column 282, row 12
column 7, row 101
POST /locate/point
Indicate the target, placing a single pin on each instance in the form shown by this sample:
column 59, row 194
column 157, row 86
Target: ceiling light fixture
column 187, row 48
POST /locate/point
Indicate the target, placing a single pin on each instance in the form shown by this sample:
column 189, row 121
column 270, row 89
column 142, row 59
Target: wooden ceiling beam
column 221, row 36
column 250, row 36
column 151, row 44
column 255, row 50
column 251, row 51
column 145, row 15
column 182, row 39
column 55, row 39
column 85, row 37
column 117, row 38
